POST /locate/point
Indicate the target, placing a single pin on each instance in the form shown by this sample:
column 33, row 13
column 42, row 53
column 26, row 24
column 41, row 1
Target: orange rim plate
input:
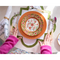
column 20, row 25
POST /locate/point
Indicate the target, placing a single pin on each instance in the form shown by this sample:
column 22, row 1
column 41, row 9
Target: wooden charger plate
column 30, row 36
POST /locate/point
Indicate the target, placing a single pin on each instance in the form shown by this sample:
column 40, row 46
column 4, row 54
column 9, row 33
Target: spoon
column 53, row 22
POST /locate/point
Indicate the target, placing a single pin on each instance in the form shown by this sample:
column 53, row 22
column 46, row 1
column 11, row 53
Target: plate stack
column 32, row 25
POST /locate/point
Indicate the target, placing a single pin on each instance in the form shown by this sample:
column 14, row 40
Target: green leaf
column 24, row 8
column 19, row 36
column 29, row 46
column 49, row 14
column 50, row 33
column 28, row 5
column 42, row 7
column 11, row 21
column 40, row 40
column 45, row 35
column 20, row 11
column 13, row 18
column 13, row 27
column 51, row 19
column 54, row 28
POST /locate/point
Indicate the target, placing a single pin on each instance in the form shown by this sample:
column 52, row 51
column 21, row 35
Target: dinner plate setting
column 29, row 22
column 32, row 24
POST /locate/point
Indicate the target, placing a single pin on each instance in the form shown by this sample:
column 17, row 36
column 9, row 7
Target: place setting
column 33, row 25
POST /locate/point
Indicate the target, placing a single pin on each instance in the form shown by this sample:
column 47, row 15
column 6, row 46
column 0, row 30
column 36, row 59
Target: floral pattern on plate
column 32, row 24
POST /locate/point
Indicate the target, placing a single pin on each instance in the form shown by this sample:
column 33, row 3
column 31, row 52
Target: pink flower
column 32, row 24
column 35, row 15
column 29, row 27
column 36, row 24
column 22, row 22
column 31, row 20
column 32, row 15
column 33, row 27
column 55, row 18
column 28, row 21
column 35, row 33
column 41, row 26
column 38, row 16
column 32, row 34
column 34, row 21
column 29, row 33
column 28, row 15
column 41, row 21
column 26, row 31
column 25, row 17
column 38, row 31
column 22, row 26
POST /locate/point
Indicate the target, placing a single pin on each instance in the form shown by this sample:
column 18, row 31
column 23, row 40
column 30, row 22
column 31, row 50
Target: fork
column 49, row 25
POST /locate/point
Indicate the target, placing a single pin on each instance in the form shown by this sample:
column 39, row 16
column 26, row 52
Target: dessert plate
column 32, row 25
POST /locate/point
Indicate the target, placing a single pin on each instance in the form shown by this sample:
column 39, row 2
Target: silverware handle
column 41, row 10
column 48, row 31
column 52, row 34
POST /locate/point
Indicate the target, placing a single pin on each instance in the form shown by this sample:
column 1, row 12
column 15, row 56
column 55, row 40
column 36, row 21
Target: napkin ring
column 6, row 18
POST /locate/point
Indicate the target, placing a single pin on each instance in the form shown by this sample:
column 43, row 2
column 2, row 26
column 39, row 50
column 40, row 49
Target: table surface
column 36, row 49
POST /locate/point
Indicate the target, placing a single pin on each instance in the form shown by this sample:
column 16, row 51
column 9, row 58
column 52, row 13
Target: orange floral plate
column 32, row 25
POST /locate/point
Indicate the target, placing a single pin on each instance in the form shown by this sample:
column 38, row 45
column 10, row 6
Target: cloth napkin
column 4, row 24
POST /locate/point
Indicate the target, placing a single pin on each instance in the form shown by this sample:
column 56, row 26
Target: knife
column 49, row 25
